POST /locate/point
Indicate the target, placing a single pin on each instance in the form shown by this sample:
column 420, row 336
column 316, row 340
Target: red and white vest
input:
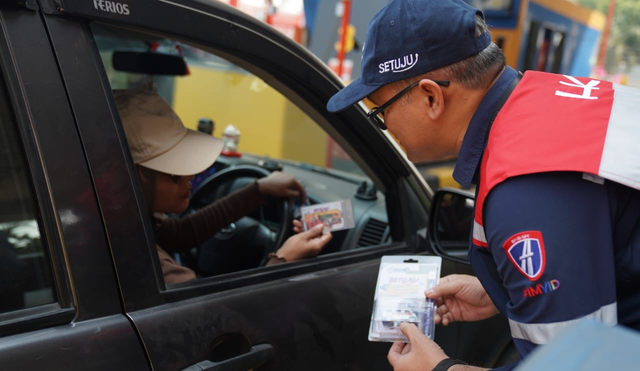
column 562, row 123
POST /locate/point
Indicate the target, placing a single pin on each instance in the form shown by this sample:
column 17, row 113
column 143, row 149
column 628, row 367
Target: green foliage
column 624, row 41
column 601, row 5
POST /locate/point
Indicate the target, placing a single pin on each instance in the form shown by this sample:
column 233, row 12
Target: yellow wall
column 512, row 37
column 302, row 139
column 269, row 123
column 511, row 44
column 592, row 19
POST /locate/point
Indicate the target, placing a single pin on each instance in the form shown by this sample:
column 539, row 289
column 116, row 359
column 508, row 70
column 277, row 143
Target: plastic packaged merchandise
column 399, row 296
column 335, row 215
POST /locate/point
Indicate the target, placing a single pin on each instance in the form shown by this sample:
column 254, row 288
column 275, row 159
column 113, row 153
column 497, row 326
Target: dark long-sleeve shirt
column 181, row 234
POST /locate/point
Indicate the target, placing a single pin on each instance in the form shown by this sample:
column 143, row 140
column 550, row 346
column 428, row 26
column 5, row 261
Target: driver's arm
column 179, row 235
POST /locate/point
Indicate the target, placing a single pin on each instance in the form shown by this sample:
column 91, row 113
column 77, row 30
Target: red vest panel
column 562, row 123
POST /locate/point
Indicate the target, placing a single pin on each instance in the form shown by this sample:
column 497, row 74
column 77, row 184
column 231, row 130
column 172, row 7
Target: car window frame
column 390, row 161
column 20, row 50
column 405, row 190
column 190, row 32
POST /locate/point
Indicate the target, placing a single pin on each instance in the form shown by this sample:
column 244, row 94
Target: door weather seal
column 48, row 6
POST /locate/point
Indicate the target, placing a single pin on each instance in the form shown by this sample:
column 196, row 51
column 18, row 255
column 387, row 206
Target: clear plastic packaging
column 399, row 296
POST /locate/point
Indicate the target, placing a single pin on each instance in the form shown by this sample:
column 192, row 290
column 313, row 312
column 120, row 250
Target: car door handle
column 256, row 356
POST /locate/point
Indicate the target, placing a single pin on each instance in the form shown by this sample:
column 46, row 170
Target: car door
column 312, row 314
column 60, row 305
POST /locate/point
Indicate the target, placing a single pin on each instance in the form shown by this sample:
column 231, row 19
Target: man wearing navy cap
column 554, row 159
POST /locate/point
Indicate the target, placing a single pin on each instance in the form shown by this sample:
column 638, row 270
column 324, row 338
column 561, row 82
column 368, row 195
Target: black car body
column 83, row 288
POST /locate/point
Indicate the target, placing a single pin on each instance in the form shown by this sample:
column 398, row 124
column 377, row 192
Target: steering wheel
column 243, row 244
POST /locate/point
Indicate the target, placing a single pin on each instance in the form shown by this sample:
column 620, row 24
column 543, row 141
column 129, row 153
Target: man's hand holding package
column 461, row 298
column 421, row 353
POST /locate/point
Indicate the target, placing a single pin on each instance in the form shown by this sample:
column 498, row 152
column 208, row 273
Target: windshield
column 219, row 91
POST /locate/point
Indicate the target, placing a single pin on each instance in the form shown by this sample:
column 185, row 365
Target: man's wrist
column 447, row 364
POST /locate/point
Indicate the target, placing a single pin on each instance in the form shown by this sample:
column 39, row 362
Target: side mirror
column 150, row 63
column 451, row 222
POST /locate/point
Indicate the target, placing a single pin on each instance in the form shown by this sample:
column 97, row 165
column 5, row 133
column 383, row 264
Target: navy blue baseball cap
column 407, row 38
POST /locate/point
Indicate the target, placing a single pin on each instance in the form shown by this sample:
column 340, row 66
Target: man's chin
column 397, row 142
column 419, row 157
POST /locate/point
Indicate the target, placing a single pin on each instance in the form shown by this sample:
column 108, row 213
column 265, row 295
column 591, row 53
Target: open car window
column 274, row 133
column 270, row 125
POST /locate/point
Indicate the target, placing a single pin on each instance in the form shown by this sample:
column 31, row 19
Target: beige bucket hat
column 157, row 138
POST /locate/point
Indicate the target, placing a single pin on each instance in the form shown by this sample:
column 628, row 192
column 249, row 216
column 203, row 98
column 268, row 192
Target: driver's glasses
column 376, row 114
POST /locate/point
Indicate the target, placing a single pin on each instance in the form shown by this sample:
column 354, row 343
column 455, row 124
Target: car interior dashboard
column 370, row 218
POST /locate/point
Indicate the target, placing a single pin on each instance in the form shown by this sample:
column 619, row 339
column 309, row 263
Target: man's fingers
column 442, row 309
column 406, row 349
column 411, row 332
column 395, row 352
column 439, row 301
column 445, row 287
column 445, row 315
column 397, row 347
column 437, row 319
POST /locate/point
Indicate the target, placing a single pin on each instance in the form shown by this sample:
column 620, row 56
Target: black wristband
column 446, row 363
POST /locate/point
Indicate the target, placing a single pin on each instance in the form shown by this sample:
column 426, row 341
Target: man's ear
column 434, row 100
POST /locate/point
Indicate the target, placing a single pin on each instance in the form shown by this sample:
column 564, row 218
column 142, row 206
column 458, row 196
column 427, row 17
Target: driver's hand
column 281, row 184
column 305, row 244
column 297, row 226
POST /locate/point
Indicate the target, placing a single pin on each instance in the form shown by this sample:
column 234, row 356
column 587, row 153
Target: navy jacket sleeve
column 551, row 240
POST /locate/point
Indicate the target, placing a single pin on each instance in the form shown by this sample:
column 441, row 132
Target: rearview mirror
column 150, row 63
column 451, row 222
